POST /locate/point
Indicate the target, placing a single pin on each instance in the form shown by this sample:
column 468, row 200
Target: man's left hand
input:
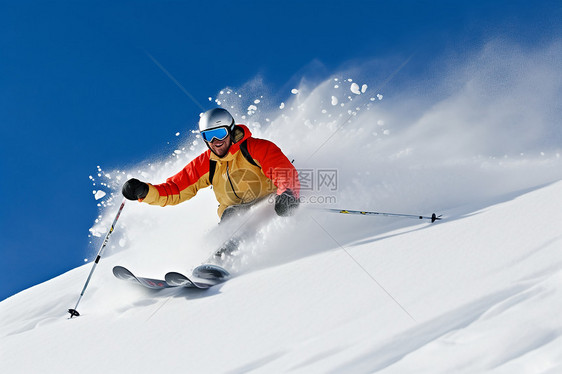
column 286, row 204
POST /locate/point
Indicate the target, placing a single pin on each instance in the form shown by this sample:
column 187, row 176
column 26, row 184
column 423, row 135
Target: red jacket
column 235, row 180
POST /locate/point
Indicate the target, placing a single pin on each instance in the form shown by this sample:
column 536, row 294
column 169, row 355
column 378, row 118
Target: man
column 242, row 170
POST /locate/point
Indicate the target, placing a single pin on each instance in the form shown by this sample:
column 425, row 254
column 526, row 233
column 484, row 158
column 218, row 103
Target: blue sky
column 78, row 88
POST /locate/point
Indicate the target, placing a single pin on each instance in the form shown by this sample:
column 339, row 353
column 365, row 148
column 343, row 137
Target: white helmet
column 214, row 118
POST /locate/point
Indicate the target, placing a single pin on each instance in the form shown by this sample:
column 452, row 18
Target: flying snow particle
column 364, row 88
column 95, row 232
column 257, row 101
column 99, row 194
column 282, row 106
column 355, row 88
column 177, row 134
column 252, row 109
column 334, row 100
column 178, row 152
column 379, row 96
column 294, row 91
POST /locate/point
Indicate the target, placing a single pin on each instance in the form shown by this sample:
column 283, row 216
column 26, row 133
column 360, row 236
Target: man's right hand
column 134, row 189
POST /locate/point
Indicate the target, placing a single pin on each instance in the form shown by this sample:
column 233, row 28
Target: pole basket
column 73, row 313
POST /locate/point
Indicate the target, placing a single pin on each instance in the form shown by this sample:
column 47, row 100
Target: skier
column 242, row 170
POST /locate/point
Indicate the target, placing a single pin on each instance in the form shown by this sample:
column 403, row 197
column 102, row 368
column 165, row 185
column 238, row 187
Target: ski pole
column 433, row 217
column 74, row 312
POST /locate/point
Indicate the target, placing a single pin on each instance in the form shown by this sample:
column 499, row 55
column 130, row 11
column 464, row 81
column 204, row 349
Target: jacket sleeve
column 182, row 186
column 275, row 165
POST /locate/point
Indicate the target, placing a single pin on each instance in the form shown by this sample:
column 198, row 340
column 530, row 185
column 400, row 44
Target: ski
column 212, row 273
column 123, row 273
column 176, row 279
column 204, row 276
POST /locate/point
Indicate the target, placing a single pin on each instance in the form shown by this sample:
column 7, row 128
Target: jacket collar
column 241, row 133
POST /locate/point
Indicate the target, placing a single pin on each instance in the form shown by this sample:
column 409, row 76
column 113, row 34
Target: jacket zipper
column 230, row 181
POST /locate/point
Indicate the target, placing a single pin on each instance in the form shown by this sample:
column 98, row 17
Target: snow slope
column 479, row 292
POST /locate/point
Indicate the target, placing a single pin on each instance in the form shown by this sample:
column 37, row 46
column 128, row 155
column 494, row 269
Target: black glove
column 286, row 204
column 134, row 189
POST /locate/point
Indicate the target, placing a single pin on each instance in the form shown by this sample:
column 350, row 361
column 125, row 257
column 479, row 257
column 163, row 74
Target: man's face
column 220, row 147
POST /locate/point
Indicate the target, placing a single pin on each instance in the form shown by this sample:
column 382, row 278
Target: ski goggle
column 219, row 133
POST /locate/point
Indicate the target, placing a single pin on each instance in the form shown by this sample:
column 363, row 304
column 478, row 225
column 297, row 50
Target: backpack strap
column 246, row 154
column 212, row 167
